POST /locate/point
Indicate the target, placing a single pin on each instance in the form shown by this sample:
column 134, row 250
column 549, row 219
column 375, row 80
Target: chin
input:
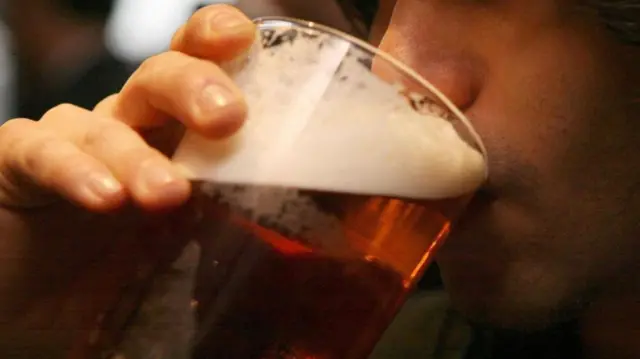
column 516, row 301
column 500, row 273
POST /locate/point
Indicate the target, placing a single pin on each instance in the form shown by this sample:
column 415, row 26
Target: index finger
column 217, row 32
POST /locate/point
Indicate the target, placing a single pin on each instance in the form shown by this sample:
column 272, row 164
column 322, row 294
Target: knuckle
column 150, row 65
column 139, row 79
column 158, row 62
column 13, row 126
column 104, row 135
column 51, row 160
column 177, row 38
column 58, row 112
column 13, row 131
column 196, row 76
column 106, row 102
column 34, row 154
column 154, row 69
column 175, row 75
column 200, row 15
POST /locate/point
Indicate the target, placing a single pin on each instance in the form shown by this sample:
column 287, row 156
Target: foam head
column 320, row 119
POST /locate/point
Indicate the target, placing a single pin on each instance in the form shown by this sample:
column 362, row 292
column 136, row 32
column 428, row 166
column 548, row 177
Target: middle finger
column 174, row 85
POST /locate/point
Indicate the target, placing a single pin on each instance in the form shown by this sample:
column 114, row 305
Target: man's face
column 556, row 99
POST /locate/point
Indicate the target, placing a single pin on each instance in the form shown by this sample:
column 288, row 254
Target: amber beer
column 316, row 218
column 268, row 289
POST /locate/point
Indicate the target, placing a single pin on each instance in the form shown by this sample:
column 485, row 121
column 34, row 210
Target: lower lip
column 465, row 240
column 476, row 207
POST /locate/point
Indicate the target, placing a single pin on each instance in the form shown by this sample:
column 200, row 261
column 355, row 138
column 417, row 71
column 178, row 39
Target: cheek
column 538, row 109
column 551, row 118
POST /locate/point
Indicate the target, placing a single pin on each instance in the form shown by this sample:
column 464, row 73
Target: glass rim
column 406, row 70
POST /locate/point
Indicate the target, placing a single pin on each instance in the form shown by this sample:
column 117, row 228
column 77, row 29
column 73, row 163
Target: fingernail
column 218, row 112
column 156, row 176
column 215, row 96
column 104, row 186
column 237, row 63
column 229, row 20
column 160, row 184
column 216, row 101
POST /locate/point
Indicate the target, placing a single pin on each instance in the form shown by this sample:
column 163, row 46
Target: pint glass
column 313, row 222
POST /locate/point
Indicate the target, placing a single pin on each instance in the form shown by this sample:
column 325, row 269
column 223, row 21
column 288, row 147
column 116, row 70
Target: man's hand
column 71, row 245
column 98, row 159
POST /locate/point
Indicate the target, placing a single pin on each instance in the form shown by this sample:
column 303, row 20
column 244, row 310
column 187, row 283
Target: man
column 552, row 238
column 61, row 53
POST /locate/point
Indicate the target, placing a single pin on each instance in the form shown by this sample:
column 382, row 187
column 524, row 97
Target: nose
column 445, row 64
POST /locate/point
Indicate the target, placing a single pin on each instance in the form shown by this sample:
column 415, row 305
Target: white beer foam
column 319, row 119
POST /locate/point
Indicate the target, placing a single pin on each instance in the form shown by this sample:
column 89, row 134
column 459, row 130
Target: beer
column 314, row 220
column 267, row 288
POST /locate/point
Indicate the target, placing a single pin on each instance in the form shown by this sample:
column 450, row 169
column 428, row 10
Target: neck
column 611, row 328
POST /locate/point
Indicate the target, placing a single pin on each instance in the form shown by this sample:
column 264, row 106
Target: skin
column 552, row 93
column 65, row 264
